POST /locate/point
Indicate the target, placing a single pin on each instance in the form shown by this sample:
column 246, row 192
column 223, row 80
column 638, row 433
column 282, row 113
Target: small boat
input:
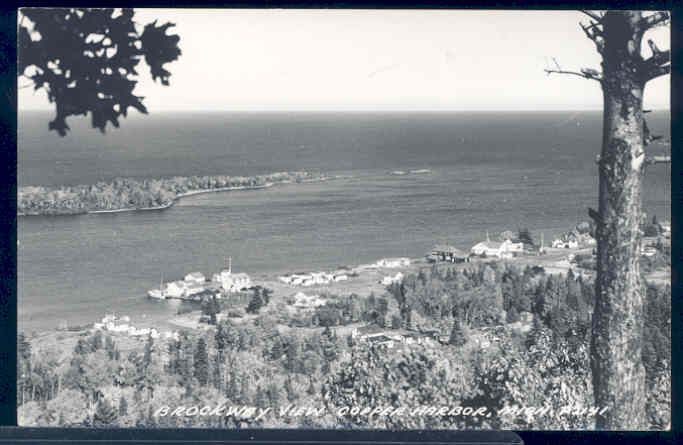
column 156, row 293
column 159, row 294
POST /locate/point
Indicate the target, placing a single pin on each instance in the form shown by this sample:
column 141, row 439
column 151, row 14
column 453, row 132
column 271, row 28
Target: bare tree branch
column 657, row 71
column 595, row 216
column 658, row 18
column 658, row 57
column 594, row 32
column 656, row 65
column 595, row 16
column 586, row 73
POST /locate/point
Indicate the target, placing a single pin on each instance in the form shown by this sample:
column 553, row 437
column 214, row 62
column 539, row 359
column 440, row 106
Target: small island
column 126, row 194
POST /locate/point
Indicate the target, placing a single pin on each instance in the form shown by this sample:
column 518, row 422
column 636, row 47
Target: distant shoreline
column 48, row 200
column 183, row 195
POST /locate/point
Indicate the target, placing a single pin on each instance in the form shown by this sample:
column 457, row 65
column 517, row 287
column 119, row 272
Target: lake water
column 489, row 171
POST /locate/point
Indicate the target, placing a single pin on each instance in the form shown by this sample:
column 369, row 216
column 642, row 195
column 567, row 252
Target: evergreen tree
column 123, row 407
column 147, row 355
column 396, row 322
column 221, row 339
column 243, row 391
column 82, row 347
column 211, row 307
column 277, row 349
column 105, row 414
column 457, row 337
column 293, row 359
column 256, row 303
column 525, row 237
column 96, row 341
column 512, row 315
column 173, row 357
column 110, row 347
column 289, row 390
column 201, row 362
column 261, row 398
column 273, row 394
column 23, row 347
column 216, row 374
column 185, row 364
column 232, row 388
column 329, row 350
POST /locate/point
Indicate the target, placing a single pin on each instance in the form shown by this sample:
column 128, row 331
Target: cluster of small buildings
column 502, row 249
column 121, row 325
column 303, row 301
column 573, row 240
column 384, row 263
column 377, row 336
column 232, row 282
column 195, row 285
column 492, row 249
column 508, row 248
column 313, row 278
column 393, row 263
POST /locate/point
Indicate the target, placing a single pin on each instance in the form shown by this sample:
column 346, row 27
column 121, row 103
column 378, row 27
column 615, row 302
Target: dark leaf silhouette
column 85, row 60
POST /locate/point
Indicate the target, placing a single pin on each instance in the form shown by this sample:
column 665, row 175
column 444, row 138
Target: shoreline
column 179, row 196
column 368, row 280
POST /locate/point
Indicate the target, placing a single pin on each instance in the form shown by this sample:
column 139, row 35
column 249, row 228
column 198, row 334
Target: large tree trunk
column 618, row 373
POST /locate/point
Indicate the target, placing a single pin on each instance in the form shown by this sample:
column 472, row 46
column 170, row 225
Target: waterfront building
column 303, row 301
column 505, row 249
column 195, row 277
column 393, row 262
column 568, row 240
column 176, row 289
column 448, row 253
column 232, row 282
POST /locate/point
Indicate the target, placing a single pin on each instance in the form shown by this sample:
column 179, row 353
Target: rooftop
column 443, row 248
column 489, row 244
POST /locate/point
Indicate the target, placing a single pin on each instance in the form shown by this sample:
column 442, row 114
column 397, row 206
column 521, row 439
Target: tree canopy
column 85, row 59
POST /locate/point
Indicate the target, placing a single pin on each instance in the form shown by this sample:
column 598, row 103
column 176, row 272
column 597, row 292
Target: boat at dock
column 158, row 294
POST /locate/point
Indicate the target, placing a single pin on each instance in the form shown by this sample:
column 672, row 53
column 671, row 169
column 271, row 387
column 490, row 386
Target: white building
column 565, row 244
column 195, row 277
column 393, row 262
column 232, row 282
column 303, row 301
column 176, row 289
column 505, row 249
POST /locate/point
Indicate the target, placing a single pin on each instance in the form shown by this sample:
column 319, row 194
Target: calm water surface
column 489, row 171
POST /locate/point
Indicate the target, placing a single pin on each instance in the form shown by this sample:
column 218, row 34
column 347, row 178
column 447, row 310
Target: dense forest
column 275, row 360
column 126, row 193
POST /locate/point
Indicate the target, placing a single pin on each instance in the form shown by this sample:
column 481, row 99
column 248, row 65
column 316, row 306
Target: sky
column 374, row 60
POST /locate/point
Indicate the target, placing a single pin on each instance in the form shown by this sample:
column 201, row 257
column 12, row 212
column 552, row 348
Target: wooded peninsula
column 123, row 194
